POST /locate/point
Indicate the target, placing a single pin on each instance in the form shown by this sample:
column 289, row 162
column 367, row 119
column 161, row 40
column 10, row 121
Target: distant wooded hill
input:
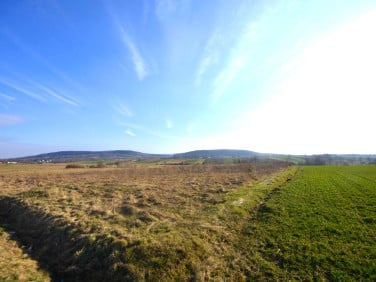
column 79, row 156
column 217, row 154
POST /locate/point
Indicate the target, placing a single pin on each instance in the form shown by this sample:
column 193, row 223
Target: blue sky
column 166, row 76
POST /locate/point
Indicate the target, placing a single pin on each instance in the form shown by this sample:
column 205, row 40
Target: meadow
column 321, row 226
column 188, row 221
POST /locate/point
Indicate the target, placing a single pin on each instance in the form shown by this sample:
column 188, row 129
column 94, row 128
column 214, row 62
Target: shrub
column 74, row 166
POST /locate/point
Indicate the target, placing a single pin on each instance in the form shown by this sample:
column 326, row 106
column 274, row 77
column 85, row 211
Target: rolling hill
column 118, row 155
column 222, row 153
column 77, row 156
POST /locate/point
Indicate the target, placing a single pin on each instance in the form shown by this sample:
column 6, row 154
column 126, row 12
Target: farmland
column 320, row 226
column 190, row 222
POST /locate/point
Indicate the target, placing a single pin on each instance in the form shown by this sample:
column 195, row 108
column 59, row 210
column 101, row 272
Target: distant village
column 13, row 162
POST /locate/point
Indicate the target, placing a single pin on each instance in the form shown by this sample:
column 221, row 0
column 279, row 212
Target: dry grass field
column 187, row 221
column 15, row 263
column 136, row 221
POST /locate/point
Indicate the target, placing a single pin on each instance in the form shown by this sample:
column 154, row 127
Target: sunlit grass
column 196, row 222
column 141, row 221
column 320, row 226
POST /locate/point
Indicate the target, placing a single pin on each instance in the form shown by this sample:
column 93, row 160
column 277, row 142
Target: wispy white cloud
column 122, row 109
column 140, row 128
column 54, row 93
column 7, row 97
column 239, row 58
column 7, row 119
column 210, row 57
column 227, row 75
column 148, row 131
column 41, row 60
column 130, row 132
column 139, row 64
column 21, row 89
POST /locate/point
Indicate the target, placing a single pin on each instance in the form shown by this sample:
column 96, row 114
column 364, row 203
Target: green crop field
column 320, row 226
column 196, row 222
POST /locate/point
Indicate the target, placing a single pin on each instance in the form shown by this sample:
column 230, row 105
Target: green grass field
column 191, row 222
column 320, row 226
